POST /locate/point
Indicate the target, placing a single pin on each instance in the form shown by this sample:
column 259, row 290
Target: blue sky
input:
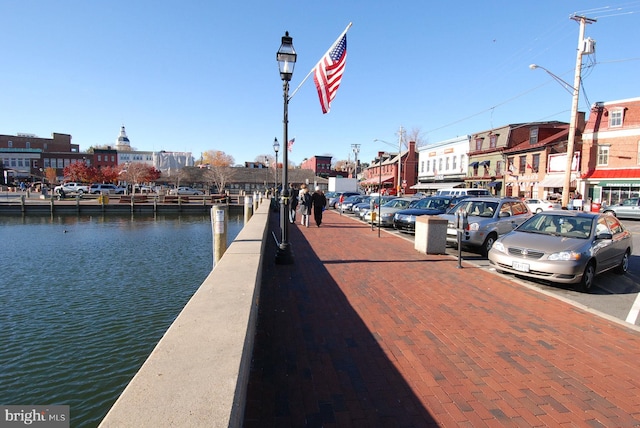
column 186, row 75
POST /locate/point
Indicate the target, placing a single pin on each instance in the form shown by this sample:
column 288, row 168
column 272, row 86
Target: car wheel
column 488, row 243
column 539, row 210
column 80, row 192
column 588, row 276
column 624, row 264
column 609, row 212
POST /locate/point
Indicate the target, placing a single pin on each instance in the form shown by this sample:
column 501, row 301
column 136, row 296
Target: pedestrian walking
column 305, row 205
column 293, row 204
column 319, row 203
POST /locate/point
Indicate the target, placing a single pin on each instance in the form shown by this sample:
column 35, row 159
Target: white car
column 71, row 187
column 183, row 190
column 539, row 205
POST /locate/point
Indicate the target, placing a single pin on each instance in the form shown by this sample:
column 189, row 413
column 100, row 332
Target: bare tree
column 219, row 171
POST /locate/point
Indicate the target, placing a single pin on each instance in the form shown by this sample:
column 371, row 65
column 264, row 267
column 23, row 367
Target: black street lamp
column 286, row 57
column 276, row 148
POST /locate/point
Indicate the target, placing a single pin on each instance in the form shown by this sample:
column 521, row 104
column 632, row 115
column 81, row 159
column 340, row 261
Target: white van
column 463, row 192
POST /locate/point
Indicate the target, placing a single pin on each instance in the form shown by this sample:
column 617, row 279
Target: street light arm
column 566, row 85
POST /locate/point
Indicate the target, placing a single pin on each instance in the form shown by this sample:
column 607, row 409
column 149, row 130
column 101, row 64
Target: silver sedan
column 564, row 247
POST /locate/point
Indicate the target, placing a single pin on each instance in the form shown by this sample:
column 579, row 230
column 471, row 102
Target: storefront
column 610, row 187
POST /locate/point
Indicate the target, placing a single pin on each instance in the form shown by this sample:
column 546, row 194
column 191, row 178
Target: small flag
column 328, row 72
column 290, row 144
column 529, row 166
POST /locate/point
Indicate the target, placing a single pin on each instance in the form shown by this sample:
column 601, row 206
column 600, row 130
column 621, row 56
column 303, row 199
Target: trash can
column 595, row 207
column 431, row 234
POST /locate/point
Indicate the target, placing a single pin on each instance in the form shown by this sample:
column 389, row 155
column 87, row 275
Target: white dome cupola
column 123, row 143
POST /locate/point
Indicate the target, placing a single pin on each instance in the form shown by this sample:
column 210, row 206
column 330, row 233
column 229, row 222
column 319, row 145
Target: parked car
column 362, row 208
column 348, row 202
column 565, row 247
column 334, row 199
column 463, row 192
column 184, row 190
column 488, row 218
column 142, row 188
column 629, row 208
column 71, row 188
column 537, row 205
column 384, row 214
column 105, row 188
column 405, row 220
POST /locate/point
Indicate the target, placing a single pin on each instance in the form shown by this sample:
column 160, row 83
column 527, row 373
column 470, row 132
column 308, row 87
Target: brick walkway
column 365, row 331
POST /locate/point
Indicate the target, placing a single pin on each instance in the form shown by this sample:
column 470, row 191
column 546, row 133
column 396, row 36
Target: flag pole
column 321, row 58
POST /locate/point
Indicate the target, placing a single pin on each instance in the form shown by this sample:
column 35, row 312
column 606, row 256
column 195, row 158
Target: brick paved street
column 365, row 331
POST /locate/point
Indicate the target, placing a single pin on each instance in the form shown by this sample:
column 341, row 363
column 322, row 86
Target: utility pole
column 574, row 108
column 356, row 150
column 400, row 135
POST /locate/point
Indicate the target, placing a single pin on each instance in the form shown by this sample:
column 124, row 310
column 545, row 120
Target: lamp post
column 286, row 57
column 575, row 91
column 276, row 148
column 266, row 176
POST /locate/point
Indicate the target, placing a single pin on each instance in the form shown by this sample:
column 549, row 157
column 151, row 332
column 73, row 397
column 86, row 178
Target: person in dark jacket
column 319, row 203
column 293, row 203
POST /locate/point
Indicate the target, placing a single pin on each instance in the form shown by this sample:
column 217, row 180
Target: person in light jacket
column 305, row 205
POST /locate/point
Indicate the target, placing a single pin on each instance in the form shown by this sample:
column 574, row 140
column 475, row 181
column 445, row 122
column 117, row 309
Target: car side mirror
column 504, row 214
column 604, row 235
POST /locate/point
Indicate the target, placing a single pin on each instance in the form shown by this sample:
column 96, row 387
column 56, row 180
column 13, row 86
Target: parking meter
column 462, row 222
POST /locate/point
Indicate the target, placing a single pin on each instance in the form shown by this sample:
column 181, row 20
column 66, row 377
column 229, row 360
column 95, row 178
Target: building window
column 493, row 140
column 535, row 163
column 446, row 163
column 615, row 118
column 422, row 167
column 479, row 143
column 28, row 144
column 454, row 166
column 499, row 167
column 603, row 155
column 9, row 144
column 511, row 165
column 522, row 165
column 440, row 164
column 462, row 163
column 533, row 136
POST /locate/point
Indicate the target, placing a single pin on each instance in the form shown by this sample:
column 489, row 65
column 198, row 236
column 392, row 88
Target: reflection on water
column 85, row 300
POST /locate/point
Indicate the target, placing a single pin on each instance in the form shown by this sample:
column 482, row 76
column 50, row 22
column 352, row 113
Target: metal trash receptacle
column 431, row 234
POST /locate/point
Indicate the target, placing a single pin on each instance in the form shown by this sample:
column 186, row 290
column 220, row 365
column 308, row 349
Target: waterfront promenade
column 365, row 331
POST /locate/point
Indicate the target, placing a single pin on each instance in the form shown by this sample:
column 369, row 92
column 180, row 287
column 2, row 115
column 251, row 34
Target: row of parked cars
column 539, row 241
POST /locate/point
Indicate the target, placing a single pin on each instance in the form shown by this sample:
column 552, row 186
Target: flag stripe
column 328, row 73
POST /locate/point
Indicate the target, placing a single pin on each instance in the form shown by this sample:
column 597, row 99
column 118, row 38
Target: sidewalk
column 365, row 331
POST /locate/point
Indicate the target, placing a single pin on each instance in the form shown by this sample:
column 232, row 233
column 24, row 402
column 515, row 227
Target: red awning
column 376, row 180
column 613, row 173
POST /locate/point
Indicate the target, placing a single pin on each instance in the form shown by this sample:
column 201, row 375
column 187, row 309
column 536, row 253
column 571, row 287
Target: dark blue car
column 405, row 220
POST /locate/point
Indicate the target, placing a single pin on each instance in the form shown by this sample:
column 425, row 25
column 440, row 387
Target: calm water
column 84, row 300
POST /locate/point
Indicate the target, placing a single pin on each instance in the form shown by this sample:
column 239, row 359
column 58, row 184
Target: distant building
column 611, row 152
column 320, row 165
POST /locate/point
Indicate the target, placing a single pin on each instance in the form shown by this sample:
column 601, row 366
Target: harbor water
column 84, row 300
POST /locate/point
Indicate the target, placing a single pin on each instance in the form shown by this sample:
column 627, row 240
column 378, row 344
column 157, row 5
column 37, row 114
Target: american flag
column 328, row 73
column 290, row 144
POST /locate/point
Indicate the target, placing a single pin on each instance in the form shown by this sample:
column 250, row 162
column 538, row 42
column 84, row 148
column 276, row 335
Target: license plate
column 522, row 267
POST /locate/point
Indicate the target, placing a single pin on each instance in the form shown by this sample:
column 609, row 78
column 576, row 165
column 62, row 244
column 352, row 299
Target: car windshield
column 397, row 203
column 432, row 204
column 477, row 208
column 558, row 225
